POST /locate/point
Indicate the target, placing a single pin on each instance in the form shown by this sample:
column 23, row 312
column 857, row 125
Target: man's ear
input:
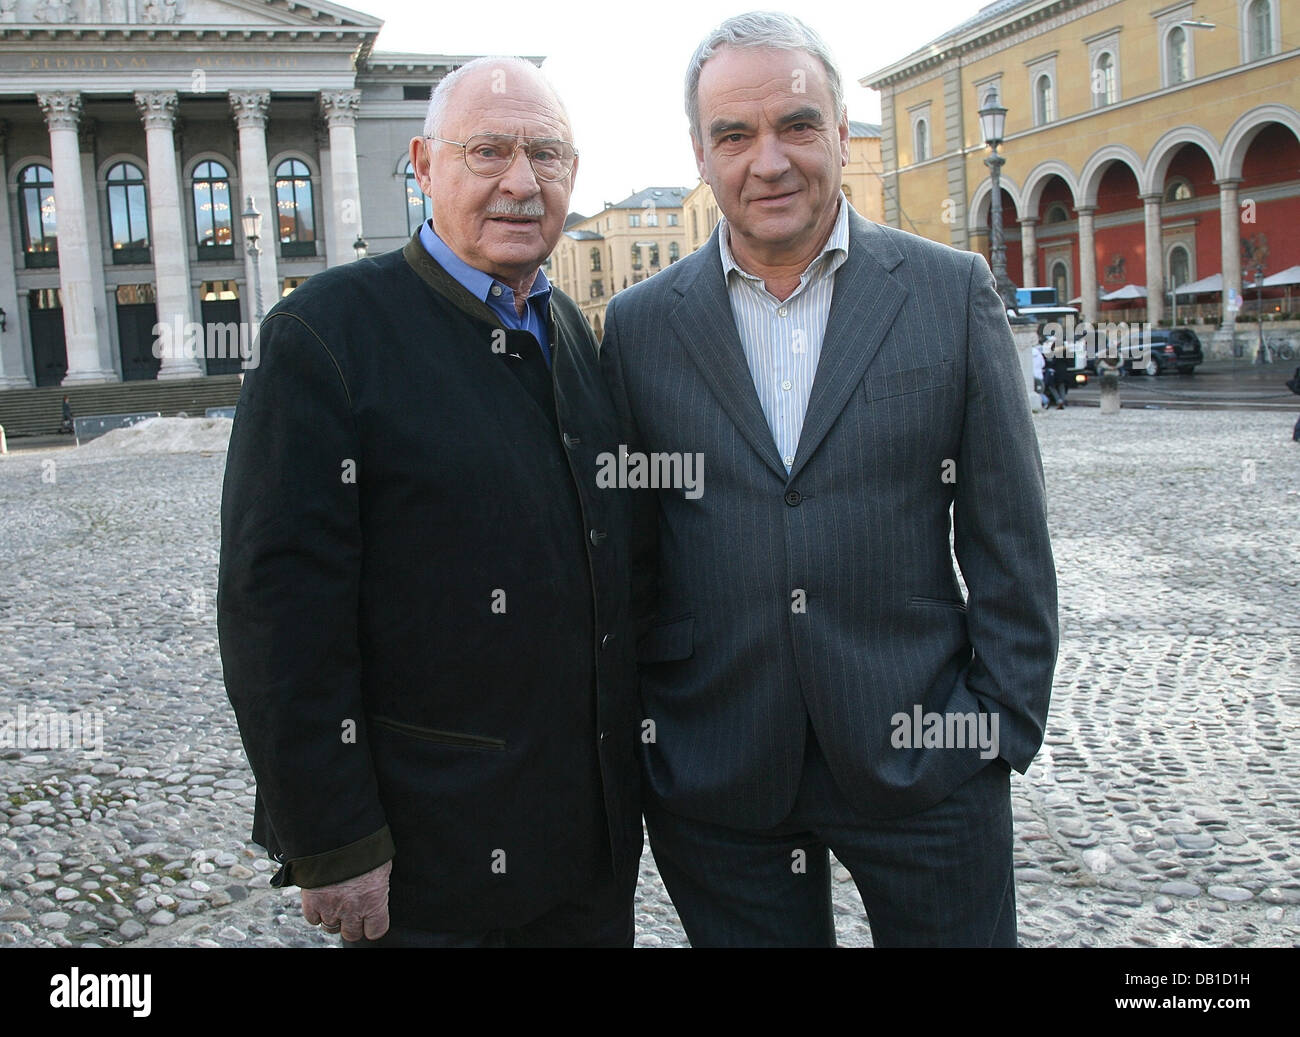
column 421, row 163
column 844, row 136
column 698, row 148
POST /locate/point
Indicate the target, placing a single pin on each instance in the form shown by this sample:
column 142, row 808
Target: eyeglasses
column 490, row 154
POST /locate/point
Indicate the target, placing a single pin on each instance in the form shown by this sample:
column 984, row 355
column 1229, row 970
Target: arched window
column 1259, row 27
column 921, row 142
column 294, row 212
column 654, row 255
column 1178, row 190
column 36, row 205
column 418, row 206
column 213, row 217
column 1044, row 99
column 636, row 257
column 1061, row 281
column 1176, row 62
column 695, row 225
column 128, row 220
column 1103, row 79
column 674, row 252
column 1180, row 267
column 595, row 260
column 1056, row 213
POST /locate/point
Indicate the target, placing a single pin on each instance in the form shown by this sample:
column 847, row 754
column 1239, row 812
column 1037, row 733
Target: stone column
column 170, row 256
column 1155, row 259
column 13, row 372
column 340, row 110
column 1087, row 263
column 105, row 300
column 254, row 178
column 62, row 113
column 1230, row 241
column 1029, row 253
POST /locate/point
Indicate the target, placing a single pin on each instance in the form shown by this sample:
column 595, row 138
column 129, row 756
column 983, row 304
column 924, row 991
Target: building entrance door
column 49, row 347
column 137, row 314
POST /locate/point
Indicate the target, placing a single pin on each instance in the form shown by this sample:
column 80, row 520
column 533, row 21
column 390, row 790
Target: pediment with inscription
column 259, row 14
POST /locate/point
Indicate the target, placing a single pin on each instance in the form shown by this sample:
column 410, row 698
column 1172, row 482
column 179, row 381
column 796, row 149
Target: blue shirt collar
column 475, row 281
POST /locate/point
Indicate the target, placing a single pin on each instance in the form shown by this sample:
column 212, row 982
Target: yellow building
column 626, row 242
column 863, row 186
column 1160, row 140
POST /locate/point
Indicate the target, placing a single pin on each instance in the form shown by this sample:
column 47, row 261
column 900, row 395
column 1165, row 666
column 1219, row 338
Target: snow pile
column 162, row 436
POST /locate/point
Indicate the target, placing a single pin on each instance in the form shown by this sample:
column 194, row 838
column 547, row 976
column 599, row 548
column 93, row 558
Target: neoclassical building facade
column 131, row 134
column 1147, row 143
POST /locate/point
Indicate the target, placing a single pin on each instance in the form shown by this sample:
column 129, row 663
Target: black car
column 1177, row 348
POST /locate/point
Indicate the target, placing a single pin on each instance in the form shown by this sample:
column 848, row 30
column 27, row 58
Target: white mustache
column 505, row 207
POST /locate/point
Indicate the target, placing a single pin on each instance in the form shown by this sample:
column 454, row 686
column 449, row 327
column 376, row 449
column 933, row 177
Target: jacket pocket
column 428, row 734
column 913, row 379
column 667, row 642
column 946, row 603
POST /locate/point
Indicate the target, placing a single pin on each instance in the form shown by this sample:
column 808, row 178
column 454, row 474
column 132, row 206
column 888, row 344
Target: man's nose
column 519, row 179
column 770, row 161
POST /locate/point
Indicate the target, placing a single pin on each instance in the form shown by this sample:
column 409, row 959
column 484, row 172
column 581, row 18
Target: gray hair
column 441, row 95
column 759, row 29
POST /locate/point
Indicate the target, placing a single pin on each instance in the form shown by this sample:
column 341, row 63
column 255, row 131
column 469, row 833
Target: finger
column 376, row 924
column 352, row 927
column 310, row 911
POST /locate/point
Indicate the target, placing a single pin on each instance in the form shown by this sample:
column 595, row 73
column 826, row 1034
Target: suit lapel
column 866, row 300
column 704, row 322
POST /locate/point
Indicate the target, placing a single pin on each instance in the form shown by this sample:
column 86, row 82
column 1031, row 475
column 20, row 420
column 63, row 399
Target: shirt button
column 787, row 385
column 496, row 289
column 782, row 312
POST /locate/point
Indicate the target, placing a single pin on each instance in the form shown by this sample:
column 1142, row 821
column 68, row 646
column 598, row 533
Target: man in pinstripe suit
column 813, row 677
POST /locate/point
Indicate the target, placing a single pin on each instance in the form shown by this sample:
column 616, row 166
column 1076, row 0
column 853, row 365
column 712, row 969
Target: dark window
column 294, row 212
column 213, row 218
column 128, row 219
column 36, row 206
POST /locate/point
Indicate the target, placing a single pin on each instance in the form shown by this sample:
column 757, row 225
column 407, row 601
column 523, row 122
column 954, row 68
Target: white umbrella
column 1129, row 291
column 1213, row 283
column 1291, row 275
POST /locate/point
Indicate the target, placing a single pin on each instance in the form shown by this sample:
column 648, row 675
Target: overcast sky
column 620, row 67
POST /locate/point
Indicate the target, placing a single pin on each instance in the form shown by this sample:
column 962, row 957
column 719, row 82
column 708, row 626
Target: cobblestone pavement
column 1164, row 808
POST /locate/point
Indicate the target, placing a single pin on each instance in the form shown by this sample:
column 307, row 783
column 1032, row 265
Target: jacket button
column 605, row 641
column 571, row 440
column 597, row 536
column 604, row 735
column 794, row 498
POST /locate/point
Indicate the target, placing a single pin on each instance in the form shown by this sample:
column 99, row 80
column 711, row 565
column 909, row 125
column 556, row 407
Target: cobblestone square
column 1163, row 809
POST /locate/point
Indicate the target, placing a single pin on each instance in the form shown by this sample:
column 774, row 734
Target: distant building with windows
column 862, row 185
column 1147, row 144
column 131, row 133
column 626, row 242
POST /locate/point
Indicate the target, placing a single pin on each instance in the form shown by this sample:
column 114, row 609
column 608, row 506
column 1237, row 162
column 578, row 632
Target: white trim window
column 1177, row 43
column 1260, row 29
column 1042, row 88
column 922, row 135
column 1104, row 64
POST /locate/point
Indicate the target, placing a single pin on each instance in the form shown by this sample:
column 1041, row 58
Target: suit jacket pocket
column 945, row 603
column 452, row 738
column 913, row 379
column 667, row 642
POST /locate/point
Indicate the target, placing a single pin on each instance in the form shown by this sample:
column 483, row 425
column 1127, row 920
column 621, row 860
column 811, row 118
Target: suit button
column 571, row 440
column 604, row 735
column 597, row 536
column 794, row 498
column 605, row 641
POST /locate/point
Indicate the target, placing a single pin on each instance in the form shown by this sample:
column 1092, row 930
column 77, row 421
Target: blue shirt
column 499, row 297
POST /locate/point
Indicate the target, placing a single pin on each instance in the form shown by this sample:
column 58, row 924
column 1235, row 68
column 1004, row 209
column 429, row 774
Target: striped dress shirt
column 782, row 339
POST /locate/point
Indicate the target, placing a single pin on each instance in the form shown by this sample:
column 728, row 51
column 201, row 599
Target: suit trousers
column 942, row 877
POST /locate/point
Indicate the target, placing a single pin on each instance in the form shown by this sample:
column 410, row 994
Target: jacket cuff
column 347, row 862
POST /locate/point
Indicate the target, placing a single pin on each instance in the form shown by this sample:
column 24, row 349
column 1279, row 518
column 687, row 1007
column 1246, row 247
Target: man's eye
column 487, row 151
column 732, row 138
column 546, row 154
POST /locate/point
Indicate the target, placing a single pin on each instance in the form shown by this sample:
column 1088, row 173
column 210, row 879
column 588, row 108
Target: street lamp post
column 993, row 120
column 252, row 221
column 1261, row 357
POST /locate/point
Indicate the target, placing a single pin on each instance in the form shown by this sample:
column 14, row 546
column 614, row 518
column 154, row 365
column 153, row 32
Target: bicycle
column 1280, row 348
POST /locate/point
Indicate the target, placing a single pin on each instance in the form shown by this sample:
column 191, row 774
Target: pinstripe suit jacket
column 917, row 408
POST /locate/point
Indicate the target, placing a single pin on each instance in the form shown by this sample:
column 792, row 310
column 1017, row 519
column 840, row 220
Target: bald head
column 491, row 82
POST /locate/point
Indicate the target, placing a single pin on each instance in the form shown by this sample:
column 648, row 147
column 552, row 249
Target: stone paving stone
column 1163, row 809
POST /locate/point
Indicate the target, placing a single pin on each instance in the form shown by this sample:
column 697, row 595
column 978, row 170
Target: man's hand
column 358, row 906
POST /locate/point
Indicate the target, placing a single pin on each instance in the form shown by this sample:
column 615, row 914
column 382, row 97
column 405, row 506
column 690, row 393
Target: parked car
column 1176, row 348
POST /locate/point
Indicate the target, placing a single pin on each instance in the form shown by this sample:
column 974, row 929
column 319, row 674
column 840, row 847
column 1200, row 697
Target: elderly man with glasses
column 423, row 606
